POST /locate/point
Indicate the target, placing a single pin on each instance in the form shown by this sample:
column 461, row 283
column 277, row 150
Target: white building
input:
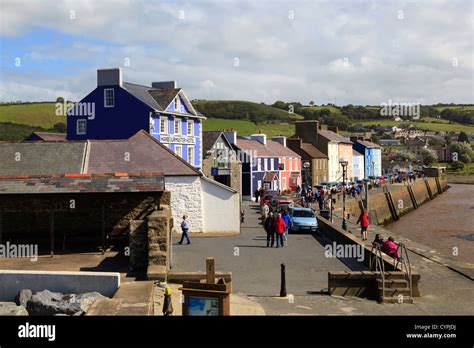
column 357, row 165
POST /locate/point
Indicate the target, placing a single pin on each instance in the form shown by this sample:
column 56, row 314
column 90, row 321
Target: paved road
column 256, row 268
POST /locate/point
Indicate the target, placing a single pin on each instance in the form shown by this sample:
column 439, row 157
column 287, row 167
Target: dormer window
column 177, row 104
column 109, row 98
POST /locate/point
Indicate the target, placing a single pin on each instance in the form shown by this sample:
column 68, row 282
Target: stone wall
column 186, row 198
column 159, row 225
column 379, row 211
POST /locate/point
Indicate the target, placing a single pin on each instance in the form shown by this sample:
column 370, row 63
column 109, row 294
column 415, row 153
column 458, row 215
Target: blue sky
column 359, row 52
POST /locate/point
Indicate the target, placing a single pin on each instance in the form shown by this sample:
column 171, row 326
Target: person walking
column 257, row 194
column 288, row 222
column 270, row 230
column 185, row 229
column 364, row 223
column 264, row 211
column 280, row 227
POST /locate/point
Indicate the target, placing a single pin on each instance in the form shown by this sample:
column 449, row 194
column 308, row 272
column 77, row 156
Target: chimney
column 308, row 131
column 164, row 84
column 231, row 136
column 262, row 138
column 294, row 143
column 109, row 77
column 280, row 139
column 335, row 129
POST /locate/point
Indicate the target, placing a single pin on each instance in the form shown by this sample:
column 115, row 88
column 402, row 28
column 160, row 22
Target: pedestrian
column 298, row 191
column 280, row 227
column 391, row 248
column 321, row 202
column 264, row 211
column 242, row 216
column 270, row 229
column 185, row 229
column 364, row 223
column 378, row 241
column 257, row 194
column 288, row 222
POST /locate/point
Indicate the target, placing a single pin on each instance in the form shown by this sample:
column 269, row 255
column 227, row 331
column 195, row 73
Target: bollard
column 167, row 304
column 283, row 281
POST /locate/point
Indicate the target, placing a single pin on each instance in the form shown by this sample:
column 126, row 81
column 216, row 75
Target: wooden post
column 51, row 232
column 103, row 227
column 210, row 270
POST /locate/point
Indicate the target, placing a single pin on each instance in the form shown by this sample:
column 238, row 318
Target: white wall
column 186, row 198
column 221, row 208
column 358, row 167
column 333, row 162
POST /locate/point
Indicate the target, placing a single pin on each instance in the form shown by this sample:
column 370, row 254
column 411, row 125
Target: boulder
column 54, row 303
column 10, row 308
column 23, row 297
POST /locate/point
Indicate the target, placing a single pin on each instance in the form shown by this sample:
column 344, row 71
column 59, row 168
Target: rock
column 53, row 303
column 10, row 308
column 23, row 297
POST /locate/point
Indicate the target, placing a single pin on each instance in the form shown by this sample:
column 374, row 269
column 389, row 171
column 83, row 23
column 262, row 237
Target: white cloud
column 298, row 59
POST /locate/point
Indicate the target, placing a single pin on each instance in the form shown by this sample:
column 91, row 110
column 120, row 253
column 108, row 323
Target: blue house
column 117, row 110
column 372, row 156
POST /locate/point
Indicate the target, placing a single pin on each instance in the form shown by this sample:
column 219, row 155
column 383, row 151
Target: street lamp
column 344, row 164
column 306, row 166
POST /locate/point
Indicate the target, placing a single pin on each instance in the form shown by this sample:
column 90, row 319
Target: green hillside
column 34, row 114
column 244, row 127
column 237, row 109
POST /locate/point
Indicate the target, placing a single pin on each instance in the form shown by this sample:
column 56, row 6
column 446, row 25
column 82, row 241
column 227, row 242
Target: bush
column 457, row 165
column 465, row 158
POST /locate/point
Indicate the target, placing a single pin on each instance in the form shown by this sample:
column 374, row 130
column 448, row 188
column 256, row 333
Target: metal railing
column 378, row 262
column 405, row 265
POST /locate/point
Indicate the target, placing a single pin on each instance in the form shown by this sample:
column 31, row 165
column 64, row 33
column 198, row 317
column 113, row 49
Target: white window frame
column 290, row 164
column 105, row 98
column 272, row 164
column 180, row 147
column 265, row 164
column 85, row 126
column 283, row 186
column 177, row 121
column 190, row 130
column 191, row 155
column 166, row 130
column 259, row 164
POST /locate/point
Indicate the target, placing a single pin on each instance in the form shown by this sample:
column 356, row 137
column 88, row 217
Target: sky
column 338, row 51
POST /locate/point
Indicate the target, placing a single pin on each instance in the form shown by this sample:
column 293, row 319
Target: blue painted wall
column 128, row 116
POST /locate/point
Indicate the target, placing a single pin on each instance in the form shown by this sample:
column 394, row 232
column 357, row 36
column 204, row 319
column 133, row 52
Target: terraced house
column 117, row 110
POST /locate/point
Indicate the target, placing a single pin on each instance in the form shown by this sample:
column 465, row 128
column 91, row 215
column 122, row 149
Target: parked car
column 267, row 197
column 304, row 220
column 279, row 201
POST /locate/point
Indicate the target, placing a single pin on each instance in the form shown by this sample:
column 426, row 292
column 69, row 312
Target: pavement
column 255, row 274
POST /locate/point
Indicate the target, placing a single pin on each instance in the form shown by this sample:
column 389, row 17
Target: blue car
column 304, row 220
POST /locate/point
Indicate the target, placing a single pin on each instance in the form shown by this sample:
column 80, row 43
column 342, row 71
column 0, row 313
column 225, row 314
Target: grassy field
column 434, row 126
column 332, row 109
column 36, row 115
column 468, row 169
column 247, row 127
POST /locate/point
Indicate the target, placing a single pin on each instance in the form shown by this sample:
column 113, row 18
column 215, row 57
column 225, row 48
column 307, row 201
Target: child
column 364, row 224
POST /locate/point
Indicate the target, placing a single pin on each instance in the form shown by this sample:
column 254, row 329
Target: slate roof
column 209, row 138
column 332, row 136
column 272, row 149
column 41, row 158
column 356, row 153
column 145, row 154
column 368, row 144
column 45, row 136
column 156, row 98
column 82, row 184
column 312, row 150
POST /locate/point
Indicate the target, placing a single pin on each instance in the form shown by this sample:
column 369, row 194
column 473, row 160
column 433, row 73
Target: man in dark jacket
column 270, row 230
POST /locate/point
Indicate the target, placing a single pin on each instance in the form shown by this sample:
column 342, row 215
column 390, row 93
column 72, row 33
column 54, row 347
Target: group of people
column 276, row 226
column 310, row 196
column 388, row 246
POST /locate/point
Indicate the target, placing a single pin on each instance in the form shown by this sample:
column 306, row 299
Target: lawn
column 246, row 127
column 467, row 170
column 332, row 109
column 434, row 126
column 36, row 115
